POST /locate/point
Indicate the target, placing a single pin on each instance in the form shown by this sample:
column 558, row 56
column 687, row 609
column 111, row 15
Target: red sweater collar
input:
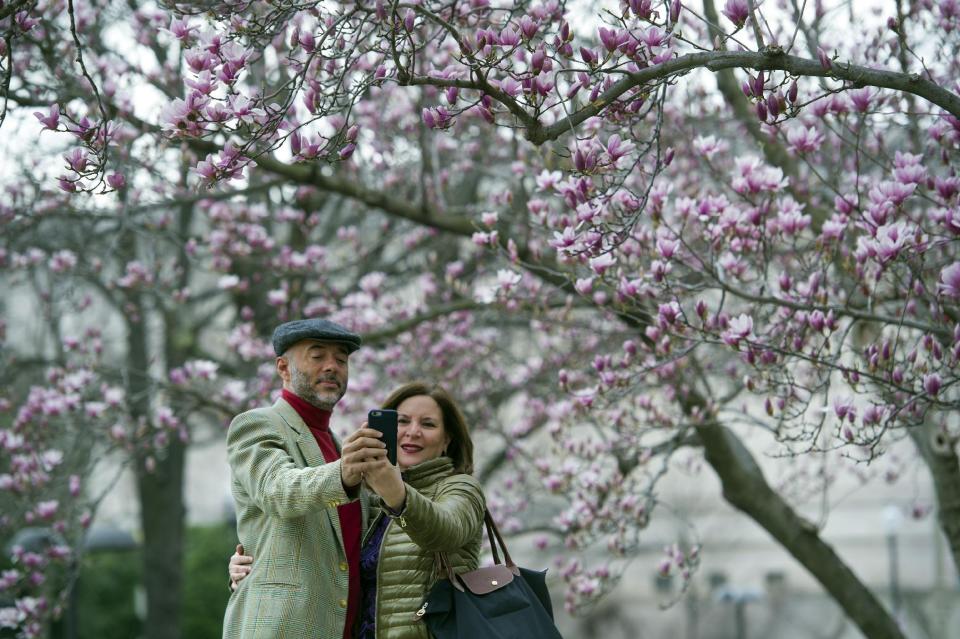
column 315, row 418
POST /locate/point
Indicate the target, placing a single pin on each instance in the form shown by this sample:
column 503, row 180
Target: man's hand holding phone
column 362, row 451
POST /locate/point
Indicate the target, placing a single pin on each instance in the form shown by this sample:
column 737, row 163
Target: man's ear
column 283, row 368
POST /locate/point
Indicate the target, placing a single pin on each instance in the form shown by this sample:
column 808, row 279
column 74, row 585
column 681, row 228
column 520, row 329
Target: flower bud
column 792, row 92
column 761, row 111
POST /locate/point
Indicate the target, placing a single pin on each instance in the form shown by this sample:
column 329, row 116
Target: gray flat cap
column 288, row 334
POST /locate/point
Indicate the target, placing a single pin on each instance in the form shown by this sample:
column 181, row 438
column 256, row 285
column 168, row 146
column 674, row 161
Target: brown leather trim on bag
column 485, row 580
column 482, row 580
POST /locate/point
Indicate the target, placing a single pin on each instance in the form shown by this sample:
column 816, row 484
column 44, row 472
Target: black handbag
column 502, row 601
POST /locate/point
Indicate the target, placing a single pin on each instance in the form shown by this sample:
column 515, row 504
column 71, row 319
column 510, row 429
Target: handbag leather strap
column 445, row 568
column 494, row 532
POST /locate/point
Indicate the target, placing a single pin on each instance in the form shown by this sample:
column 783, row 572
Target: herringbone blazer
column 286, row 498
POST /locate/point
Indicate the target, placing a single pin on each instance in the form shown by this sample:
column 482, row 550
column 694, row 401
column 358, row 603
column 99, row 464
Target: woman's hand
column 384, row 479
column 239, row 567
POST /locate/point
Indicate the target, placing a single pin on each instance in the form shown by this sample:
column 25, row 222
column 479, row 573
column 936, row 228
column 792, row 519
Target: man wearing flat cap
column 296, row 495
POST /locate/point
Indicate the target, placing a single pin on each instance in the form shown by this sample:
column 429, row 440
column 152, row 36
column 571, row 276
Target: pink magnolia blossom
column 790, row 217
column 659, row 270
column 618, row 148
column 908, row 168
column 485, row 239
column 932, row 384
column 668, row 313
column 204, row 82
column 62, row 261
column 752, row 176
column 737, row 11
column 893, row 238
column 667, row 247
column 738, row 329
column 804, row 140
column 601, row 263
column 709, row 146
column 584, row 285
column 509, row 38
column 528, row 27
column 565, row 239
column 824, row 59
column 244, row 110
column 861, row 99
column 116, row 180
column 947, row 187
column 47, row 509
column 873, row 415
column 675, row 8
column 180, row 29
column 507, row 280
column 893, row 192
column 77, row 159
column 844, row 409
column 949, row 284
column 345, row 152
column 52, row 119
column 833, row 229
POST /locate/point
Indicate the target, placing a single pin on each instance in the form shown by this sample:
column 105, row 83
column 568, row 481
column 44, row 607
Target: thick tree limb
column 745, row 488
column 378, row 337
column 309, row 174
column 944, row 464
column 772, row 59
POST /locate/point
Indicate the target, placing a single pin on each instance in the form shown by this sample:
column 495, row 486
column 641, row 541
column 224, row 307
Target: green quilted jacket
column 443, row 512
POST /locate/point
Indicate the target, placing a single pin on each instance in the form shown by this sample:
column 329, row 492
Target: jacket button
column 343, row 603
column 343, row 566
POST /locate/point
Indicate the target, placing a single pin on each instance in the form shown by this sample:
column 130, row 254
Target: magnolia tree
column 619, row 234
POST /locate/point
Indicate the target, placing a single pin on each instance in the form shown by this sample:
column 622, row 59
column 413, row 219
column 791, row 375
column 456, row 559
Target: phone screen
column 385, row 420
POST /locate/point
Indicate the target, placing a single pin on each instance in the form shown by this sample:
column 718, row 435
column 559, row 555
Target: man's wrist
column 348, row 486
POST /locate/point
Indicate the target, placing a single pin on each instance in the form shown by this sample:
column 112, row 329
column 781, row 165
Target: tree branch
column 942, row 460
column 745, row 488
column 772, row 59
column 397, row 328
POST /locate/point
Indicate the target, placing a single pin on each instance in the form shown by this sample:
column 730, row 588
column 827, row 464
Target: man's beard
column 304, row 388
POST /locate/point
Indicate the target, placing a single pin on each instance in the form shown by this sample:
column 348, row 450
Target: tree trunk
column 745, row 488
column 162, row 518
column 161, row 491
column 941, row 458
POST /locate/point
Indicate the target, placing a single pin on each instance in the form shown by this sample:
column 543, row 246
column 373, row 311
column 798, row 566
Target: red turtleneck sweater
column 318, row 421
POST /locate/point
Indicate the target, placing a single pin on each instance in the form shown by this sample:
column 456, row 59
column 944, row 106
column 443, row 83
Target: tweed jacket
column 443, row 512
column 286, row 498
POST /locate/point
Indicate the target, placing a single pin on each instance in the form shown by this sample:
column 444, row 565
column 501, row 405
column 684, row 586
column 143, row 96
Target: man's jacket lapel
column 311, row 452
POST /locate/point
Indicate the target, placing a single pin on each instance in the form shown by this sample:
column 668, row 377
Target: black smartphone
column 385, row 420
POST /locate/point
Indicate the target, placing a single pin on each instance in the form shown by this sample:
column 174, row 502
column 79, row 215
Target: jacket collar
column 426, row 473
column 290, row 415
